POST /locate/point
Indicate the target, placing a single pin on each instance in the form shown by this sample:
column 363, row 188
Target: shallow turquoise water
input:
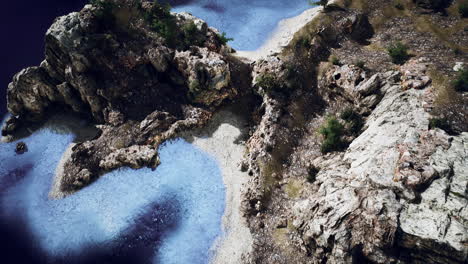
column 250, row 23
column 172, row 214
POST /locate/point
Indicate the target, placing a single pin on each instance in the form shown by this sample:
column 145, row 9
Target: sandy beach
column 55, row 192
column 220, row 139
column 282, row 35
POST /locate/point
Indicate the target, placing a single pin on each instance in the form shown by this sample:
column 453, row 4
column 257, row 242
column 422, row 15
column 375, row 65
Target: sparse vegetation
column 192, row 35
column 332, row 131
column 460, row 84
column 441, row 123
column 398, row 53
column 335, row 61
column 223, row 38
column 449, row 104
column 195, row 86
column 267, row 81
column 303, row 42
column 161, row 21
column 353, row 120
column 463, row 9
column 361, row 64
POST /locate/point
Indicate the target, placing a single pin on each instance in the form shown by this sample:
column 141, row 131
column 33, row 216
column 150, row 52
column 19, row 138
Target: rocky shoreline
column 393, row 187
column 222, row 138
column 282, row 35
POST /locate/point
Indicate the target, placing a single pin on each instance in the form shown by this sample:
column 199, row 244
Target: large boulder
column 96, row 68
column 141, row 87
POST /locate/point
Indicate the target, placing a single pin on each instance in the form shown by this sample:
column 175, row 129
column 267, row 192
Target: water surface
column 249, row 22
column 170, row 215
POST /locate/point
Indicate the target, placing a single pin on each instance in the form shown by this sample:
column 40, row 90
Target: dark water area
column 171, row 215
column 135, row 245
column 23, row 25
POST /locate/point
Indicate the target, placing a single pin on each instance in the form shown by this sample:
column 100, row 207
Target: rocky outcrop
column 126, row 144
column 436, row 228
column 126, row 68
column 398, row 193
column 107, row 62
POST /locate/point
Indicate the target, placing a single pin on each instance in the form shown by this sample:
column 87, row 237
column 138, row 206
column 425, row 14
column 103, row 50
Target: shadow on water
column 136, row 244
column 61, row 121
column 214, row 7
column 144, row 237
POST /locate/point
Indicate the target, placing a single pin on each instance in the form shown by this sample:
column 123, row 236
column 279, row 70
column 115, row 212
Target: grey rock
column 369, row 86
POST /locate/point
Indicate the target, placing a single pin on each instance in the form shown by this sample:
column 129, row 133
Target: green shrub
column 398, row 53
column 267, row 81
column 353, row 119
column 399, row 6
column 192, row 36
column 461, row 82
column 361, row 64
column 303, row 42
column 320, row 2
column 224, row 39
column 161, row 21
column 312, row 174
column 441, row 123
column 463, row 9
column 335, row 61
column 332, row 131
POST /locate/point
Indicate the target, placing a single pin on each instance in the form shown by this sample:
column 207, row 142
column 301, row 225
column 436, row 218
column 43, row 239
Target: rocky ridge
column 138, row 87
column 396, row 192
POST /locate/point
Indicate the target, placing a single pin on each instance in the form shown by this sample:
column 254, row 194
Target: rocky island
column 344, row 141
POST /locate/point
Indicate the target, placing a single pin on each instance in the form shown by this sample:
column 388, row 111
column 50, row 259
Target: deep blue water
column 23, row 25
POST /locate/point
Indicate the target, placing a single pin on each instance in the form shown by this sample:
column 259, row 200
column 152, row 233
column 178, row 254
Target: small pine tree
column 332, row 131
column 224, row 39
column 398, row 53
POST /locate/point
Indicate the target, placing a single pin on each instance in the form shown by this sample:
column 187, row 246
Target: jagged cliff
column 141, row 86
column 344, row 163
column 392, row 188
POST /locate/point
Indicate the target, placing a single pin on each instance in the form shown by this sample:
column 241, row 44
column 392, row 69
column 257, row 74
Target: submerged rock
column 21, row 148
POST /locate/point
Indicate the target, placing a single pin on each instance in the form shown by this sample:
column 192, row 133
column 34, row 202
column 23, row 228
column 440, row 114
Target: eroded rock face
column 132, row 81
column 396, row 195
column 437, row 226
column 127, row 144
column 208, row 75
column 96, row 68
